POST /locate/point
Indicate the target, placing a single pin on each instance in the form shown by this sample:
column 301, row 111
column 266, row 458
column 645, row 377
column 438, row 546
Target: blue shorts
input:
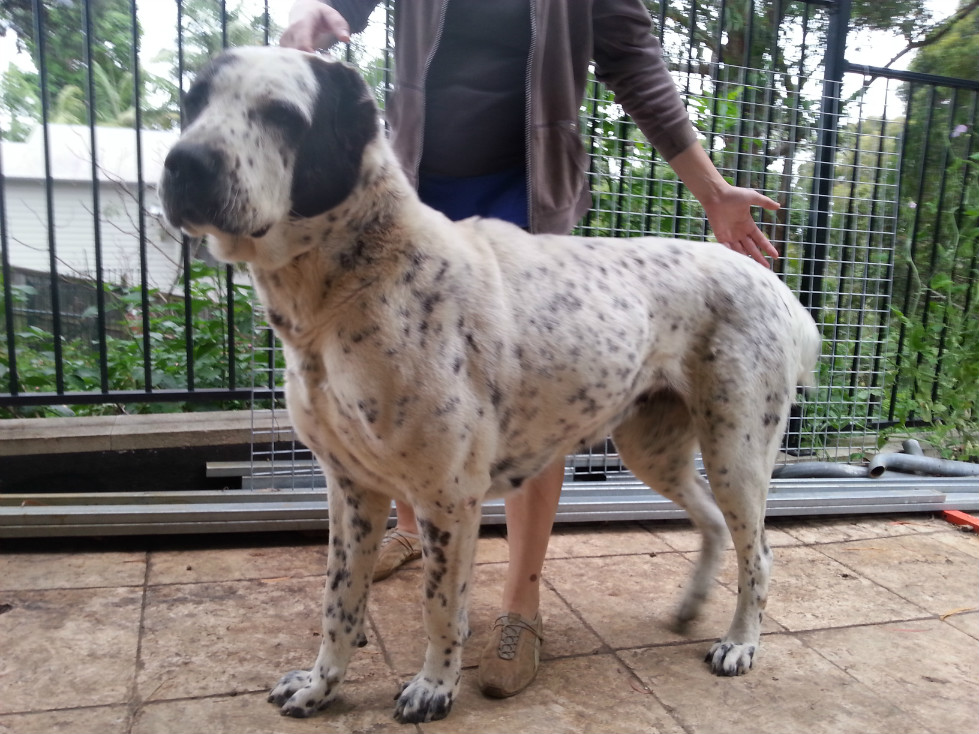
column 500, row 195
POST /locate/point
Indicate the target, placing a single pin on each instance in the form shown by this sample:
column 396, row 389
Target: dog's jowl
column 441, row 363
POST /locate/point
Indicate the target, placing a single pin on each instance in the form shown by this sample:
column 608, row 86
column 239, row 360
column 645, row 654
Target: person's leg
column 529, row 519
column 406, row 518
column 510, row 660
column 400, row 544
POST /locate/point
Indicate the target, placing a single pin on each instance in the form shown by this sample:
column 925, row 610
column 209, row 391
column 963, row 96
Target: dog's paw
column 424, row 700
column 687, row 612
column 730, row 658
column 300, row 694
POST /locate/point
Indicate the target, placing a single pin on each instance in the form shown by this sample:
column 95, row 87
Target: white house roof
column 71, row 156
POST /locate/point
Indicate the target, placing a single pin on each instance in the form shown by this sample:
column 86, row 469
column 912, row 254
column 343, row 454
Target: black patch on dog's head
column 328, row 161
column 196, row 98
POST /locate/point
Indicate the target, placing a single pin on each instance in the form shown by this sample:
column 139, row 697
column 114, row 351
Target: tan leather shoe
column 397, row 548
column 510, row 660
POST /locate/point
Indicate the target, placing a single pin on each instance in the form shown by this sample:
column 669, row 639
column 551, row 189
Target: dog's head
column 271, row 134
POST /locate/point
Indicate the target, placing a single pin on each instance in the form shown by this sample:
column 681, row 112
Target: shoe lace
column 398, row 536
column 510, row 636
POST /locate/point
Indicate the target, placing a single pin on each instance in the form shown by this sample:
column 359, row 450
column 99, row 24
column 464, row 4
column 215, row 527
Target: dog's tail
column 808, row 341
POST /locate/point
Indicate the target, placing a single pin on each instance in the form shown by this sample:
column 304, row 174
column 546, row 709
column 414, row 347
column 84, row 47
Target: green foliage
column 934, row 356
column 125, row 347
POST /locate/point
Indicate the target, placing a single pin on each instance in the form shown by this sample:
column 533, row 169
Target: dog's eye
column 284, row 116
column 194, row 101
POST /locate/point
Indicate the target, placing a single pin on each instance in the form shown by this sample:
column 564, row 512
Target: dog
column 440, row 363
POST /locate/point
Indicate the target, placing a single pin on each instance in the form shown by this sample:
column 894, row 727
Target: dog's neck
column 376, row 202
column 335, row 254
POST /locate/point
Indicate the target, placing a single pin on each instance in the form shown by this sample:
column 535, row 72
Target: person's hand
column 729, row 214
column 314, row 25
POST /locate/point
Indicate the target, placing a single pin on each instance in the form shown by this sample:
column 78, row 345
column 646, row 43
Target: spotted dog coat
column 442, row 363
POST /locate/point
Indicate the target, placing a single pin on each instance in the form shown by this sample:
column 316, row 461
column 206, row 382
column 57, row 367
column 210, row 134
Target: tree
column 111, row 49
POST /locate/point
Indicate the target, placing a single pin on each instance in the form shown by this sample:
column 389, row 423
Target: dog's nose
column 191, row 173
column 188, row 162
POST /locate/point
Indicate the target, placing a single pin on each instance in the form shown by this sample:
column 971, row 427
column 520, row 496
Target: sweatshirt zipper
column 528, row 113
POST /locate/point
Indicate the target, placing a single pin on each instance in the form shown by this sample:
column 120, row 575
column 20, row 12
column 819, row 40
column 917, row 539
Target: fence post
column 816, row 241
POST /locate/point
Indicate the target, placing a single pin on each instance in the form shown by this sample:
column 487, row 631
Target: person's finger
column 749, row 248
column 763, row 201
column 762, row 243
column 314, row 25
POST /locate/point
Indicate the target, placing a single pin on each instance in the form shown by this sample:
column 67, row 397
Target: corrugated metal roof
column 71, row 156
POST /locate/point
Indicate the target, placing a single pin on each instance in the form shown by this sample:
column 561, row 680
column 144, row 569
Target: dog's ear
column 345, row 120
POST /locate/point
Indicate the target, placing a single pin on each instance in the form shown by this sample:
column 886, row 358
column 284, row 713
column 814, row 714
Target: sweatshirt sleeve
column 629, row 60
column 355, row 12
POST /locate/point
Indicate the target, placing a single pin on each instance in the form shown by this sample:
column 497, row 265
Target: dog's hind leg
column 740, row 431
column 657, row 443
column 357, row 522
column 449, row 535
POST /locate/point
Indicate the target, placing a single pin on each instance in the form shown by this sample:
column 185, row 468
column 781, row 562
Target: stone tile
column 365, row 706
column 107, row 719
column 790, row 689
column 72, row 570
column 212, row 639
column 967, row 623
column 396, row 611
column 920, row 568
column 860, row 527
column 492, row 546
column 683, row 536
column 234, row 564
column 808, row 590
column 607, row 539
column 939, row 688
column 66, row 648
column 579, row 694
column 629, row 601
column 966, row 541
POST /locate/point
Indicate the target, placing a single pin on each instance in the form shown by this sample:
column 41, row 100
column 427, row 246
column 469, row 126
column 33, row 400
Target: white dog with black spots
column 441, row 363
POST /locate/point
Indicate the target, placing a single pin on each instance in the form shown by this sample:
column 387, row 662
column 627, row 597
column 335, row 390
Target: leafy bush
column 125, row 365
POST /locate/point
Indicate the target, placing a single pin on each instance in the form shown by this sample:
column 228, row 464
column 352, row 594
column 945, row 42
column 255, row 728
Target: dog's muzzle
column 195, row 191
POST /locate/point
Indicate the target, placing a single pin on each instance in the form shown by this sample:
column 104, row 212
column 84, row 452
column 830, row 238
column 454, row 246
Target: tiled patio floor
column 872, row 627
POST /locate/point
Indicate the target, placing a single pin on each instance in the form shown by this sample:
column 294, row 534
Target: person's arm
column 728, row 207
column 315, row 24
column 628, row 59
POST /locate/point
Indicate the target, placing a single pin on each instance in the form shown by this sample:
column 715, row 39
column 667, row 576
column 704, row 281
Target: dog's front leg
column 448, row 546
column 357, row 522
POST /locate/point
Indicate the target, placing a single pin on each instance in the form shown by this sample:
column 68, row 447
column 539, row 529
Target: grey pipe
column 911, row 464
column 818, row 470
column 911, row 446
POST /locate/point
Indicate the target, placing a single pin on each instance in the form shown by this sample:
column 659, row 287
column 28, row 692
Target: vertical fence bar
column 186, row 254
column 96, row 201
column 818, row 239
column 902, row 329
column 879, row 358
column 229, row 271
column 13, row 381
column 266, row 23
column 936, row 234
column 144, row 279
column 918, row 216
column 56, row 332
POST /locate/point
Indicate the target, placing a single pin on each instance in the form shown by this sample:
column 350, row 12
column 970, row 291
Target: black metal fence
column 875, row 171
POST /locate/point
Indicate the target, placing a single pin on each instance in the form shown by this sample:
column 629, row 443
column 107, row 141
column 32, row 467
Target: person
column 484, row 120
